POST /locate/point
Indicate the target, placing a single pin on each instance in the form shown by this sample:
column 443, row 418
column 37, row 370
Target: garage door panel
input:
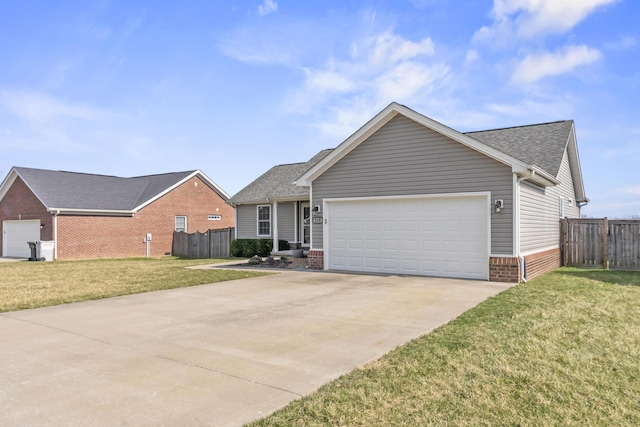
column 16, row 234
column 355, row 262
column 372, row 262
column 410, row 245
column 428, row 236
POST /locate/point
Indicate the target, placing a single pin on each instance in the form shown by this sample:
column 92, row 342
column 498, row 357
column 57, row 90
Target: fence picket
column 215, row 243
column 601, row 243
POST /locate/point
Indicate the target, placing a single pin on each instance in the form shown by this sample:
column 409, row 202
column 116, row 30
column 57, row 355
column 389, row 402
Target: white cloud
column 527, row 19
column 379, row 69
column 633, row 190
column 472, row 56
column 41, row 107
column 267, row 7
column 535, row 67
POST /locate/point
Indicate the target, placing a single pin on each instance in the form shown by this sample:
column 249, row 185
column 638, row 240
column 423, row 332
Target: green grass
column 39, row 284
column 563, row 349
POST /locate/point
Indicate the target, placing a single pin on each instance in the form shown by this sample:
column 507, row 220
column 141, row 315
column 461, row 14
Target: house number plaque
column 317, row 220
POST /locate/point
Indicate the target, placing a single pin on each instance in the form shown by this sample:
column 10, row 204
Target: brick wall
column 109, row 237
column 504, row 269
column 315, row 259
column 542, row 262
column 20, row 203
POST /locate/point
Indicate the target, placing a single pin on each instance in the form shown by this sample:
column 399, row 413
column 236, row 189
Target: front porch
column 290, row 221
column 289, row 253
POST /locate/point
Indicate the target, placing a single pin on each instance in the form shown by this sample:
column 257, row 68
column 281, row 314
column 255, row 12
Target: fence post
column 565, row 242
column 605, row 243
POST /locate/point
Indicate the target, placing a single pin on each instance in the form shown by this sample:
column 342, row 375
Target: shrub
column 246, row 248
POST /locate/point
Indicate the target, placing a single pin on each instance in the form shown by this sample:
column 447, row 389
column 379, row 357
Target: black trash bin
column 34, row 251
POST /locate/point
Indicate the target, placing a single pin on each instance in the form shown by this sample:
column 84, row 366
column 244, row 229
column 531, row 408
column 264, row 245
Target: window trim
column 175, row 224
column 258, row 220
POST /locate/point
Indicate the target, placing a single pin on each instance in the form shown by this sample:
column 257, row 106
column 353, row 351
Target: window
column 264, row 220
column 181, row 223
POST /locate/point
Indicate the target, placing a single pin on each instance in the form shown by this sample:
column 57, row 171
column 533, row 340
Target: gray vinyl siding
column 405, row 158
column 540, row 211
column 286, row 221
column 247, row 222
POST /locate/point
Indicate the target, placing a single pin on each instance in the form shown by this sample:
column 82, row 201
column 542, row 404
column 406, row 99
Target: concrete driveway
column 221, row 354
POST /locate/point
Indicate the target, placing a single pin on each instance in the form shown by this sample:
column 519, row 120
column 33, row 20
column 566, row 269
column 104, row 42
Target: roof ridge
column 520, row 126
column 160, row 174
column 63, row 171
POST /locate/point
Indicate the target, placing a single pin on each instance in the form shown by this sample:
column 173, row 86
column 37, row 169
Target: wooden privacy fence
column 602, row 243
column 211, row 244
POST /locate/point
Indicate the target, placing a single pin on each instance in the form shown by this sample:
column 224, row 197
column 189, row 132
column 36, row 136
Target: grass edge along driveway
column 563, row 349
column 26, row 285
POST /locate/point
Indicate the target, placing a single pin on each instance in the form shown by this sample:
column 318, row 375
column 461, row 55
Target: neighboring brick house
column 98, row 216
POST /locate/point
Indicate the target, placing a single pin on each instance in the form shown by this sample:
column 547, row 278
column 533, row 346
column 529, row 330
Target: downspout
column 276, row 243
column 516, row 222
column 296, row 231
column 55, row 235
column 235, row 222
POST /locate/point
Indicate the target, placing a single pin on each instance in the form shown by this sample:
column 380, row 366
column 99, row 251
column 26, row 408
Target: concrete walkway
column 212, row 355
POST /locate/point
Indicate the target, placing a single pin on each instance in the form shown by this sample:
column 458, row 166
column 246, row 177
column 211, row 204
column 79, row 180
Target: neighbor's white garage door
column 443, row 236
column 16, row 234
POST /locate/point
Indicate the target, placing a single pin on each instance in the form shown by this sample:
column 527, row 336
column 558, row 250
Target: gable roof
column 277, row 183
column 89, row 193
column 533, row 152
column 540, row 144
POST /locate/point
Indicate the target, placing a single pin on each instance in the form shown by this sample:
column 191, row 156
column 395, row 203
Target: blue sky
column 232, row 88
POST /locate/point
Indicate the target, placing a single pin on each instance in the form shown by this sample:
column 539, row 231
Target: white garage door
column 443, row 236
column 16, row 234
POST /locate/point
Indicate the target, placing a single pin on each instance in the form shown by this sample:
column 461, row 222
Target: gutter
column 101, row 212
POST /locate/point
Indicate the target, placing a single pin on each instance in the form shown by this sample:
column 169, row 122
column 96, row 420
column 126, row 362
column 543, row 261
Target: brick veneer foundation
column 503, row 269
column 542, row 262
column 315, row 259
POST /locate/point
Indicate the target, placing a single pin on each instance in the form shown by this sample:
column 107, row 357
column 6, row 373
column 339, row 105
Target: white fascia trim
column 198, row 173
column 271, row 200
column 10, row 179
column 576, row 169
column 7, row 182
column 385, row 116
column 212, row 184
column 536, row 251
column 100, row 212
column 412, row 196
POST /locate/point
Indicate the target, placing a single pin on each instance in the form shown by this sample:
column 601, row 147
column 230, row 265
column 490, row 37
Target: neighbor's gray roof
column 72, row 190
column 277, row 183
column 542, row 145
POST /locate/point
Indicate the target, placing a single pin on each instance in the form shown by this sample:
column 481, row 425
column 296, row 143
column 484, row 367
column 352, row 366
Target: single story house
column 406, row 194
column 98, row 216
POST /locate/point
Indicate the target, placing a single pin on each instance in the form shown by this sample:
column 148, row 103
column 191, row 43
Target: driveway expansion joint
column 227, row 374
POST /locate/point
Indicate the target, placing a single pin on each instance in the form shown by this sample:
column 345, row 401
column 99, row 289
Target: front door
column 305, row 220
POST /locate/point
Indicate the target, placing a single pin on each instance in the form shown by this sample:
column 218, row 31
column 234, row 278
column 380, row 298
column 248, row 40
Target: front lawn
column 563, row 349
column 39, row 284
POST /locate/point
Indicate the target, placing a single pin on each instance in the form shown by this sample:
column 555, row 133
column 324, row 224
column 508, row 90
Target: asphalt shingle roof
column 542, row 144
column 277, row 182
column 72, row 190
